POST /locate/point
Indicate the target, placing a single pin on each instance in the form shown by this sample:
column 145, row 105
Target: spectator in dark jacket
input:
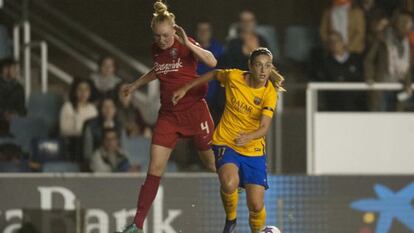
column 92, row 133
column 12, row 99
column 342, row 66
column 109, row 157
column 247, row 39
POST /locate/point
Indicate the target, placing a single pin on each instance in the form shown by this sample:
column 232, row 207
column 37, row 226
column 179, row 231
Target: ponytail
column 277, row 79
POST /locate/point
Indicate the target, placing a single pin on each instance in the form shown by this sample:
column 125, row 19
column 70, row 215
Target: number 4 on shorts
column 204, row 126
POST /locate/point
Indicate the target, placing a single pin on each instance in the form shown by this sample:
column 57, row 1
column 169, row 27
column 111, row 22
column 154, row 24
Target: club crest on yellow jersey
column 257, row 100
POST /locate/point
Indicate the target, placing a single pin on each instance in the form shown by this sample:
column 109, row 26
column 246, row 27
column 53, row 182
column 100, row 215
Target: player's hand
column 179, row 94
column 181, row 35
column 126, row 90
column 243, row 139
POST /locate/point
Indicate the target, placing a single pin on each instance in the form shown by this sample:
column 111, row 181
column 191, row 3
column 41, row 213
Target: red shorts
column 195, row 123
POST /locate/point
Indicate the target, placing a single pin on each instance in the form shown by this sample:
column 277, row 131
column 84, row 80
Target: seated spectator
column 75, row 113
column 215, row 95
column 247, row 23
column 130, row 116
column 12, row 99
column 107, row 119
column 348, row 20
column 204, row 36
column 109, row 157
column 239, row 48
column 389, row 60
column 342, row 66
column 105, row 79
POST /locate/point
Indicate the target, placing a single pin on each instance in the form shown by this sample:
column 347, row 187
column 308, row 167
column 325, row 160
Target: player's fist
column 243, row 139
column 126, row 90
column 179, row 94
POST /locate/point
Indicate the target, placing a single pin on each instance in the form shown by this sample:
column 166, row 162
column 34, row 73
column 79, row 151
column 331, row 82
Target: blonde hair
column 162, row 14
column 275, row 77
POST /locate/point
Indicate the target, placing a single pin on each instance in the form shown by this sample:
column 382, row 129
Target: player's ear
column 249, row 64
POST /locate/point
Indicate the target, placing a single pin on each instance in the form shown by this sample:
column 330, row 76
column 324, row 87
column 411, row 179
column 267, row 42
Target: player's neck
column 253, row 82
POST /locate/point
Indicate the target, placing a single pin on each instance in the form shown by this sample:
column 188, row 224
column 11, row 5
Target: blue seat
column 25, row 129
column 45, row 106
column 47, row 150
column 60, row 167
column 6, row 44
column 299, row 41
column 14, row 167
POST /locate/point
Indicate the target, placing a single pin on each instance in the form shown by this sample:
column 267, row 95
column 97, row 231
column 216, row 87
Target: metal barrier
column 70, row 46
column 27, row 47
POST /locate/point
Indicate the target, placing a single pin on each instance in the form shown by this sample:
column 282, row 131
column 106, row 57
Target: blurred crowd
column 96, row 128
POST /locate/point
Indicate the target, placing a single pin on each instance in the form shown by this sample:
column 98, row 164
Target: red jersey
column 175, row 67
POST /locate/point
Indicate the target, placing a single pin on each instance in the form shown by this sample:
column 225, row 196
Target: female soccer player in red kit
column 175, row 59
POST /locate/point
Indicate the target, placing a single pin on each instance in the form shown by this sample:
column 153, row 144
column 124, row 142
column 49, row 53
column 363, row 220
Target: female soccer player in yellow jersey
column 238, row 141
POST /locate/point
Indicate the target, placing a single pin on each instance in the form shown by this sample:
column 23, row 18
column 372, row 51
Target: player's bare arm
column 245, row 138
column 205, row 78
column 144, row 79
column 201, row 54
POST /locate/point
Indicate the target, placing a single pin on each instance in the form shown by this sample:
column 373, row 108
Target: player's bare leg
column 158, row 162
column 207, row 157
column 159, row 159
column 229, row 180
column 255, row 203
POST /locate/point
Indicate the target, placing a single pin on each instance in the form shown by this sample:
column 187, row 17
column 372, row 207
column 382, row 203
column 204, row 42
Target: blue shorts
column 252, row 169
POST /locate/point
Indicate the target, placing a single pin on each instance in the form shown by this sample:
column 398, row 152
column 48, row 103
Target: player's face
column 261, row 67
column 164, row 34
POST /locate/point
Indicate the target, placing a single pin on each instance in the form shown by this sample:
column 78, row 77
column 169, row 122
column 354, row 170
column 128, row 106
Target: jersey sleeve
column 223, row 76
column 269, row 104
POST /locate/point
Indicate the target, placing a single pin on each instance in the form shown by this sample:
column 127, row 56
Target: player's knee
column 229, row 185
column 156, row 169
column 255, row 206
